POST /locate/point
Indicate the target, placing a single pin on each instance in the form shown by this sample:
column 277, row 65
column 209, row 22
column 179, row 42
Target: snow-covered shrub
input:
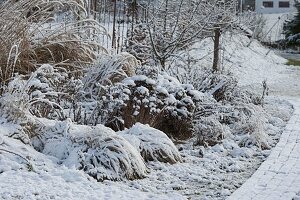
column 97, row 150
column 163, row 103
column 222, row 86
column 245, row 122
column 30, row 36
column 209, row 131
column 14, row 109
column 109, row 69
column 151, row 71
column 40, row 93
column 238, row 115
column 11, row 154
column 217, row 84
column 253, row 133
column 229, row 106
column 152, row 144
column 87, row 106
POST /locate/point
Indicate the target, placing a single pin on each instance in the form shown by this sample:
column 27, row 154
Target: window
column 268, row 4
column 284, row 4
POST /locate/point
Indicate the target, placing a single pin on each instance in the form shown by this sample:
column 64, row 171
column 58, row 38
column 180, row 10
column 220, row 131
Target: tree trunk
column 162, row 62
column 95, row 9
column 216, row 58
column 114, row 37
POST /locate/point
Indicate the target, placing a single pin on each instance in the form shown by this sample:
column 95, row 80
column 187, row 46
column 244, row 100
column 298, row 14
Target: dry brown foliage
column 30, row 36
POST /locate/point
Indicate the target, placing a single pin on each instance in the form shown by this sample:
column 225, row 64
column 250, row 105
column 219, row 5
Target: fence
column 117, row 17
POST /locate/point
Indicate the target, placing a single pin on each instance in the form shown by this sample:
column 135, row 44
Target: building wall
column 260, row 8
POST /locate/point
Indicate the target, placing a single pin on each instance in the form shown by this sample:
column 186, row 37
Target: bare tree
column 223, row 17
column 173, row 25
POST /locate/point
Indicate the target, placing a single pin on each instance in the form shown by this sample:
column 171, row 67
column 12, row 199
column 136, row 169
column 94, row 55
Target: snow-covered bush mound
column 98, row 150
column 85, row 105
column 13, row 112
column 244, row 121
column 231, row 109
column 217, row 84
column 153, row 144
column 222, row 86
column 28, row 174
column 109, row 69
column 209, row 131
column 161, row 102
column 47, row 93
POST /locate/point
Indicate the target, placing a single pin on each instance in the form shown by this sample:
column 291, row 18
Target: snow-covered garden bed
column 117, row 129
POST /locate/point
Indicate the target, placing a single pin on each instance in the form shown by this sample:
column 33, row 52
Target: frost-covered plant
column 98, row 150
column 219, row 85
column 245, row 121
column 283, row 109
column 232, row 106
column 209, row 131
column 109, row 69
column 222, row 86
column 152, row 144
column 162, row 102
column 253, row 133
column 30, row 36
column 39, row 95
column 229, row 106
column 87, row 103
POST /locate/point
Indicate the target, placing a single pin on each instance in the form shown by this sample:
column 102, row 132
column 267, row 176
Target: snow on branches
column 161, row 102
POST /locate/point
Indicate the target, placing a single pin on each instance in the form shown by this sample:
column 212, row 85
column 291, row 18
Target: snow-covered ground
column 252, row 64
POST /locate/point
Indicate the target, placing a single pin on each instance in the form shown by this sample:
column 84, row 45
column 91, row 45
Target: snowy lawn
column 251, row 63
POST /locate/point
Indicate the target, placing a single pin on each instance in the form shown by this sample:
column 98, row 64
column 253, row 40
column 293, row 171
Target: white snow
column 252, row 64
column 154, row 145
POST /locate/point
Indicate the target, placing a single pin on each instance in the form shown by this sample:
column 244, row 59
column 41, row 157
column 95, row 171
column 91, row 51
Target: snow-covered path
column 279, row 176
